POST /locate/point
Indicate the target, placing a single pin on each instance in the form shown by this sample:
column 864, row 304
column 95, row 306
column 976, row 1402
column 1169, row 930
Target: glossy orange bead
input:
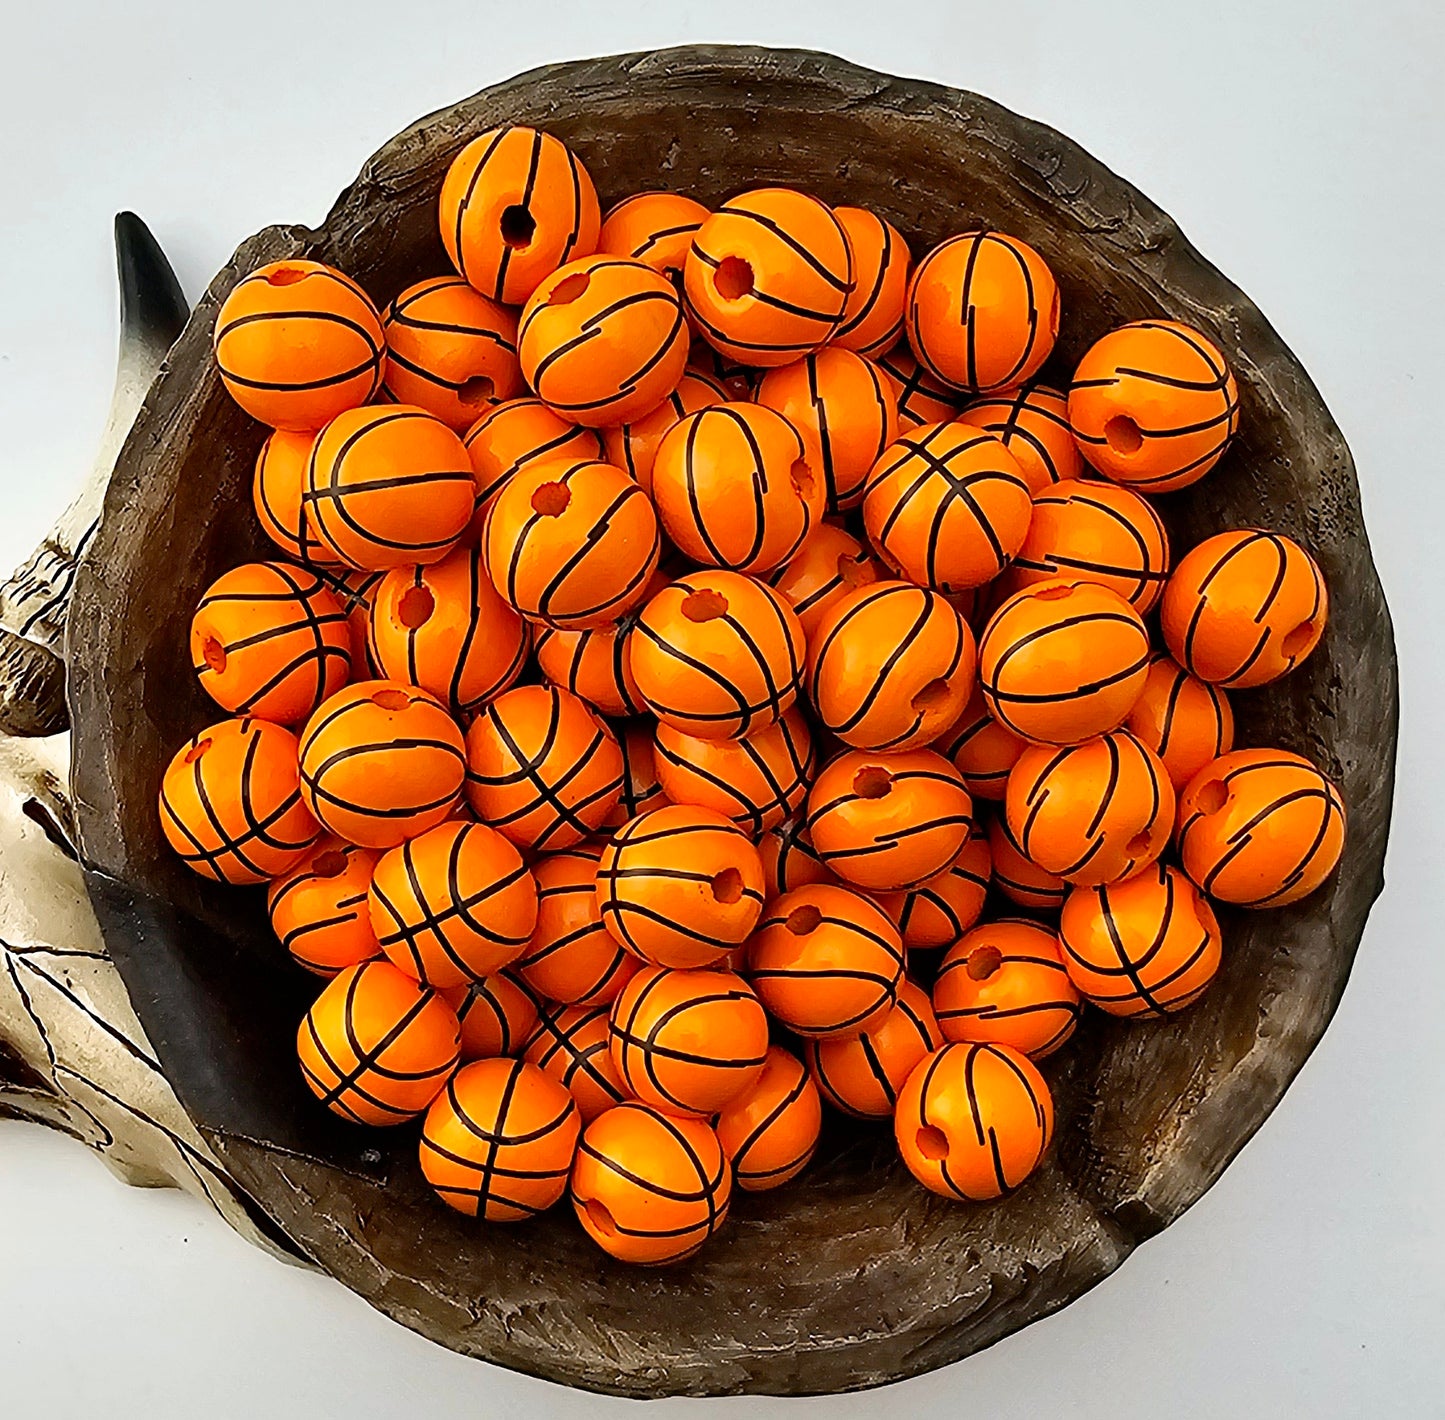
column 571, row 1044
column 770, row 1130
column 888, row 821
column 1244, row 608
column 942, row 908
column 1062, row 661
column 1033, row 422
column 922, row 398
column 680, row 886
column 298, row 342
column 571, row 545
column 381, row 762
column 873, row 312
column 947, row 506
column 1186, row 721
column 387, row 487
column 1260, row 827
column 231, row 805
column 890, row 666
column 1096, row 532
column 768, row 276
column 641, row 791
column 354, row 589
column 593, row 665
column 861, row 1074
column 982, row 311
column 649, row 1187
column 516, row 203
column 516, row 434
column 450, row 350
column 376, row 1047
column 1147, row 947
column 790, row 860
column 571, row 957
column 633, row 447
column 846, row 411
column 1005, row 984
column 277, row 488
column 499, row 1140
column 318, row 909
column 974, row 1121
column 831, row 563
column 497, row 1016
column 982, row 750
column 717, row 655
column 1154, row 405
column 269, row 639
column 1093, row 812
column 1016, row 876
column 542, row 767
column 656, row 228
column 826, row 961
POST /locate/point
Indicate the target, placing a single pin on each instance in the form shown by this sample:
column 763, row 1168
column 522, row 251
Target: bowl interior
column 854, row 1275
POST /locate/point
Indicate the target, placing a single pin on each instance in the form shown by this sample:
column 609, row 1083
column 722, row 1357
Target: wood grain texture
column 854, row 1276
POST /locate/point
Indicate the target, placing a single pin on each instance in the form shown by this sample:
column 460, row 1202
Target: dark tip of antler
column 153, row 308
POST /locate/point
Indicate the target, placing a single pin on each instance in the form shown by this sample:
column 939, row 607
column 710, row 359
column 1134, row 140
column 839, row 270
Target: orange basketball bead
column 1062, row 661
column 861, row 1074
column 270, row 640
column 734, row 487
column 888, row 821
column 1243, row 608
column 453, row 904
column 922, row 399
column 388, row 486
column 831, row 563
column 1005, row 984
column 688, row 1042
column 376, row 1047
column 1016, row 876
column 769, row 1131
column 318, row 909
column 947, row 506
column 497, row 1016
column 572, row 1045
column 942, row 908
column 982, row 750
column 717, row 655
column 768, row 276
column 680, row 886
column 603, row 340
column 231, row 806
column 974, row 1121
column 1033, row 422
column 641, row 791
column 650, row 1187
column 571, row 957
column 277, row 489
column 873, row 312
column 633, row 447
column 826, row 961
column 542, row 768
column 298, row 342
column 594, row 665
column 757, row 782
column 1097, row 532
column 656, row 228
column 515, row 205
column 1146, row 948
column 499, row 1140
column 790, row 860
column 1186, row 721
column 982, row 311
column 516, row 434
column 1093, row 812
column 445, row 628
column 450, row 351
column 846, row 411
column 1260, row 827
column 890, row 666
column 1154, row 405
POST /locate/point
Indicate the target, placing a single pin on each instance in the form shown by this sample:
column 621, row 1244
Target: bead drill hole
column 196, row 751
column 727, row 886
column 477, row 390
column 733, row 278
column 214, row 654
column 932, row 1143
column 1123, row 435
column 983, row 962
column 1298, row 639
column 1212, row 796
column 391, row 699
column 933, row 696
column 415, row 607
column 568, row 289
column 802, row 920
column 1137, row 846
column 285, row 276
column 330, row 864
column 518, row 226
column 874, row 782
column 551, row 500
column 803, row 481
column 704, row 605
column 1053, row 594
column 600, row 1217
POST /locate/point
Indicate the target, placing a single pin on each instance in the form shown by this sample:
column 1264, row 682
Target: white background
column 1298, row 144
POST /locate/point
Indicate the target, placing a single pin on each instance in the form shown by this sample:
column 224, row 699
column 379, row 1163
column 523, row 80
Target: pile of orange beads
column 707, row 673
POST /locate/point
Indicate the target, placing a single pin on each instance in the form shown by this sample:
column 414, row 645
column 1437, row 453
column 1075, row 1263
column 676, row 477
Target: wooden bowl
column 855, row 1276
